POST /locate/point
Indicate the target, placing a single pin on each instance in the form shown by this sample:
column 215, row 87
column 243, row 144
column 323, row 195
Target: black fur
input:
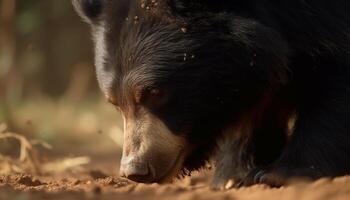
column 216, row 61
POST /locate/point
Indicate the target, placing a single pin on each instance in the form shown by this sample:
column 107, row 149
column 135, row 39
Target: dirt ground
column 98, row 178
column 96, row 185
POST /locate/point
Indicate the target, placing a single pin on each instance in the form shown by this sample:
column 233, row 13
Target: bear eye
column 154, row 91
column 154, row 97
column 92, row 8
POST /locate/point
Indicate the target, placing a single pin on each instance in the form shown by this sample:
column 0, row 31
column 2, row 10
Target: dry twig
column 28, row 160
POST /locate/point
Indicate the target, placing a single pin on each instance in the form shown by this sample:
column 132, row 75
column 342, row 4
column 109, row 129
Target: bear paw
column 277, row 177
column 262, row 176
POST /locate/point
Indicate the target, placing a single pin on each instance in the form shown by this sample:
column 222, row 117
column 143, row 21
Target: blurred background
column 48, row 89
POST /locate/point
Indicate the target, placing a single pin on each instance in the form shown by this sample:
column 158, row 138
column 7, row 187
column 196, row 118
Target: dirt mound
column 105, row 187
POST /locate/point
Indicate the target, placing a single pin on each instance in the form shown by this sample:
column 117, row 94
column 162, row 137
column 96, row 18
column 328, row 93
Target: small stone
column 184, row 29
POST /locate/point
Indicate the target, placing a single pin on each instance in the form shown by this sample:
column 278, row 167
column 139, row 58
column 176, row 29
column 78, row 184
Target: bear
column 260, row 89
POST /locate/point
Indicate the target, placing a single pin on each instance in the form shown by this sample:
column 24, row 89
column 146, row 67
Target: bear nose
column 135, row 170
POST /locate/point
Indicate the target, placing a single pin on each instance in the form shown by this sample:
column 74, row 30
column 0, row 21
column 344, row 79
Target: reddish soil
column 85, row 182
column 96, row 185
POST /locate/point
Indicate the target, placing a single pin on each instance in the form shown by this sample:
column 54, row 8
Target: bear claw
column 261, row 176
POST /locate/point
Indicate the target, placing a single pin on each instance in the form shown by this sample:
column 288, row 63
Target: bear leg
column 319, row 147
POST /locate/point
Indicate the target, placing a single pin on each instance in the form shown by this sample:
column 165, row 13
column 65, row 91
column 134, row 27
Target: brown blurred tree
column 44, row 53
column 10, row 83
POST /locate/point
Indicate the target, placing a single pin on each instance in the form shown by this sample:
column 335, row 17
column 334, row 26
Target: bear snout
column 136, row 170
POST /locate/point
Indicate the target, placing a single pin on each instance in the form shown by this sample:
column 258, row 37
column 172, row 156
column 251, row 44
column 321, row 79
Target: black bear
column 215, row 80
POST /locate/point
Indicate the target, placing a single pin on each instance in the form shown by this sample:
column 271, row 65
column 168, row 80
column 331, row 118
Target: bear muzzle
column 136, row 170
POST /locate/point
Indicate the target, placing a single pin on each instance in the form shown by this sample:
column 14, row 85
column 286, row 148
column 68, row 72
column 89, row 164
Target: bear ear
column 89, row 10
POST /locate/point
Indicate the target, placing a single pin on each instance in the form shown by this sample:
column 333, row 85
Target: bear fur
column 233, row 75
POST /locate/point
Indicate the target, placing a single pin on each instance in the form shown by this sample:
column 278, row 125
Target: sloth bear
column 201, row 81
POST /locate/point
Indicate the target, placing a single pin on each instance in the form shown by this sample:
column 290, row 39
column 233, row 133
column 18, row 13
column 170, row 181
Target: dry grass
column 29, row 157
